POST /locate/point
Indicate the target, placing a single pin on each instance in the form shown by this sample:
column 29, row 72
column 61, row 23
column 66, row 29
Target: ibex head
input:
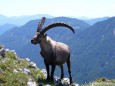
column 40, row 33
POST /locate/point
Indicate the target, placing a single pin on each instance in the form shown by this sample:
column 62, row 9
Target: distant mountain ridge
column 21, row 20
column 93, row 21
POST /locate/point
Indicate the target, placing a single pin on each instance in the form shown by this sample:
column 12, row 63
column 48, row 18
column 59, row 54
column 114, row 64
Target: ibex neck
column 45, row 40
column 46, row 44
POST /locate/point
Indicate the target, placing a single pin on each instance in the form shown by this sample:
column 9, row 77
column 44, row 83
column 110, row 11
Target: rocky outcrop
column 12, row 65
column 57, row 81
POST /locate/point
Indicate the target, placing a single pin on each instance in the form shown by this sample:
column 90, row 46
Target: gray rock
column 31, row 83
column 44, row 72
column 56, row 80
column 33, row 65
column 1, row 70
column 47, row 85
column 28, row 59
column 26, row 71
column 3, row 61
column 20, row 69
column 74, row 84
column 7, row 50
column 15, row 71
column 65, row 81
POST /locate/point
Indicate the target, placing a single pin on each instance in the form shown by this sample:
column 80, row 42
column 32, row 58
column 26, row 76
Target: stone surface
column 26, row 71
column 31, row 83
column 47, row 85
column 33, row 65
column 28, row 59
column 44, row 72
column 1, row 70
column 15, row 71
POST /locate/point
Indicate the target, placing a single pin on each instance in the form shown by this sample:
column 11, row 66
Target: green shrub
column 10, row 55
column 101, row 82
column 101, row 79
column 8, row 78
column 13, row 79
column 3, row 65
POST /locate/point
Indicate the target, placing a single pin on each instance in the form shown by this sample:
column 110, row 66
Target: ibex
column 54, row 53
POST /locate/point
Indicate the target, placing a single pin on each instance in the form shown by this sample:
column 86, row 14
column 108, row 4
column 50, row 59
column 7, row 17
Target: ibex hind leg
column 69, row 69
column 62, row 72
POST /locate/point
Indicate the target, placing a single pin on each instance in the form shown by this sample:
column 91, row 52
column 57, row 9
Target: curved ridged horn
column 41, row 22
column 56, row 25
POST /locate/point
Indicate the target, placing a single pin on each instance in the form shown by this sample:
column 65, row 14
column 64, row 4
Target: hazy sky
column 73, row 8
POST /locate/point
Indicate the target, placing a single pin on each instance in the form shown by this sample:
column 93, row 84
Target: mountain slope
column 6, row 27
column 95, row 51
column 92, row 49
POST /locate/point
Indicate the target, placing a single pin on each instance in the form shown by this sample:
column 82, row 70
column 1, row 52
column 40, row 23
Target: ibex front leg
column 47, row 67
column 52, row 72
column 48, row 70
